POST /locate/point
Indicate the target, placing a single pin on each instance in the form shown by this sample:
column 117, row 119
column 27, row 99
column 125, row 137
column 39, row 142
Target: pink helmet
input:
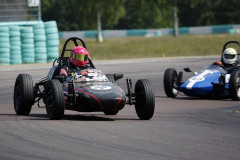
column 79, row 56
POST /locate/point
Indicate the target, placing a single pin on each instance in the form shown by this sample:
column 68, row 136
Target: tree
column 82, row 14
column 146, row 14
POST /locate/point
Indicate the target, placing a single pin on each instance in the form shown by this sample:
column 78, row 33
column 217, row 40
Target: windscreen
column 89, row 75
column 214, row 67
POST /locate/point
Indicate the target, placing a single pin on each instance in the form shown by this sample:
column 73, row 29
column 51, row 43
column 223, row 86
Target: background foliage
column 135, row 14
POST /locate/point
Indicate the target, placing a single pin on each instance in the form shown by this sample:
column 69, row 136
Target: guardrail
column 232, row 29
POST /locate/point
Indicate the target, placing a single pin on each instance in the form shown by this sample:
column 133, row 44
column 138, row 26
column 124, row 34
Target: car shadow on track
column 194, row 98
column 75, row 117
column 88, row 117
column 66, row 117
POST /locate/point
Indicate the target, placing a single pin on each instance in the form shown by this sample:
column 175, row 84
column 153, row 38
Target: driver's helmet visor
column 229, row 56
column 80, row 57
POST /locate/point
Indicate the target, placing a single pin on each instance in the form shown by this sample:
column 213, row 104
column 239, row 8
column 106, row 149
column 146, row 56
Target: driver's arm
column 219, row 63
column 64, row 71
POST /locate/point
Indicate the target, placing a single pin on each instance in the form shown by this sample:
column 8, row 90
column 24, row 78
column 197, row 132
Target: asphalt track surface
column 184, row 128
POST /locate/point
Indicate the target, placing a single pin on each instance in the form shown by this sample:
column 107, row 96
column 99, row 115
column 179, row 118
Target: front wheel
column 23, row 94
column 234, row 85
column 145, row 99
column 171, row 82
column 54, row 99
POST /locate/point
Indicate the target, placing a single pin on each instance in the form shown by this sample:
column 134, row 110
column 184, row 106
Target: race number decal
column 198, row 78
column 100, row 87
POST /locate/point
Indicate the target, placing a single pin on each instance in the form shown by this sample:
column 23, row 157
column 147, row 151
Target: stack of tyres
column 52, row 40
column 15, row 45
column 4, row 46
column 40, row 43
column 27, row 46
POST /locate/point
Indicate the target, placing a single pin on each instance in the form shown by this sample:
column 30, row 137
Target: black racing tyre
column 23, row 94
column 234, row 85
column 145, row 99
column 110, row 77
column 170, row 81
column 110, row 112
column 54, row 99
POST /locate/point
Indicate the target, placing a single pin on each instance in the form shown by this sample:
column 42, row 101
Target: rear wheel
column 23, row 94
column 54, row 99
column 234, row 85
column 171, row 82
column 145, row 100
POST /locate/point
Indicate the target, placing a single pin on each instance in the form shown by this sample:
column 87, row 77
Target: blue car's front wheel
column 171, row 82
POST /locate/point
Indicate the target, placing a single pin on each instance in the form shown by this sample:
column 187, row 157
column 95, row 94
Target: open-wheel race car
column 213, row 81
column 87, row 90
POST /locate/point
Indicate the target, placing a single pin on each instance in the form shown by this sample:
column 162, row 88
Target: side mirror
column 187, row 69
column 117, row 76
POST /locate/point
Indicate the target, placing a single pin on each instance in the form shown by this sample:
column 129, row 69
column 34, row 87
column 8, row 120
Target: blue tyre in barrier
column 40, row 44
column 53, row 36
column 16, row 59
column 4, row 51
column 15, row 43
column 15, row 38
column 14, row 28
column 26, row 60
column 28, row 41
column 40, row 58
column 52, row 55
column 39, row 38
column 14, row 33
column 27, row 30
column 40, row 50
column 4, row 40
column 53, row 49
column 27, row 35
column 39, row 32
column 4, row 34
column 38, row 26
column 4, row 29
column 5, row 59
column 50, row 24
column 26, row 46
column 51, row 30
column 4, row 45
column 52, row 43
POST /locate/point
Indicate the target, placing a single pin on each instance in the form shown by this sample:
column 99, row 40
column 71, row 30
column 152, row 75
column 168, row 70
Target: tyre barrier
column 15, row 45
column 4, row 46
column 40, row 43
column 52, row 40
column 27, row 46
column 37, row 43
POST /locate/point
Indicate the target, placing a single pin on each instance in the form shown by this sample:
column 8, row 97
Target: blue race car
column 213, row 81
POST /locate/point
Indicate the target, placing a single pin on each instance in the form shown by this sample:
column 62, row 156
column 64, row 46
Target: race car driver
column 229, row 59
column 78, row 58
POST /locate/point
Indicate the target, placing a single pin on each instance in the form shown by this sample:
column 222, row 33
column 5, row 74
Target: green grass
column 141, row 47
